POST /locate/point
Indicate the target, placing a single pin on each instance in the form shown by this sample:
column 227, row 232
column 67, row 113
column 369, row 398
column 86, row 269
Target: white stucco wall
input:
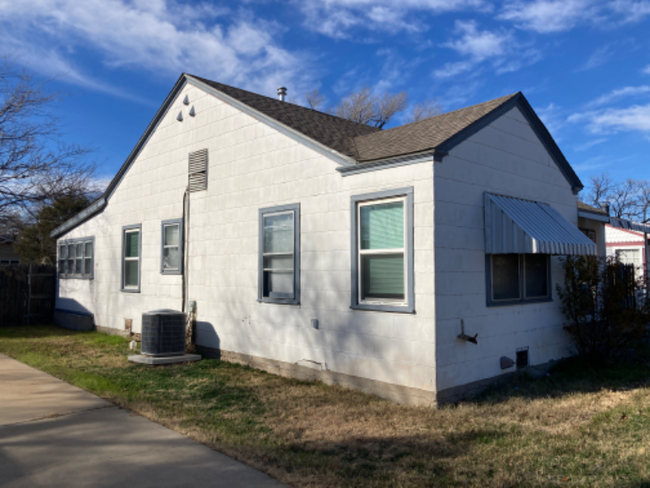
column 252, row 166
column 508, row 159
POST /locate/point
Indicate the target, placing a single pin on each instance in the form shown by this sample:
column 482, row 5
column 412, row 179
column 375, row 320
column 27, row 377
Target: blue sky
column 584, row 65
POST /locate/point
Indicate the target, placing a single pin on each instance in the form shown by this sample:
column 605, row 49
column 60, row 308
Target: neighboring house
column 7, row 253
column 628, row 246
column 318, row 247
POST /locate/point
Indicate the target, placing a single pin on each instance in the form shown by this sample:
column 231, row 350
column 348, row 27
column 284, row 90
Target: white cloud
column 161, row 36
column 335, row 18
column 598, row 58
column 646, row 70
column 547, row 16
column 630, row 10
column 477, row 46
column 589, row 144
column 626, row 92
column 634, row 118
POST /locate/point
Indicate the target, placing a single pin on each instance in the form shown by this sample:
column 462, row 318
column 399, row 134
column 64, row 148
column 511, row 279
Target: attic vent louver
column 180, row 116
column 198, row 170
column 186, row 100
column 192, row 112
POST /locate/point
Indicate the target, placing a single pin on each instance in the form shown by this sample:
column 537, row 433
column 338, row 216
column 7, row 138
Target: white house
column 318, row 247
column 628, row 246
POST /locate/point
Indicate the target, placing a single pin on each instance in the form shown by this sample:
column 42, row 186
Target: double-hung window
column 75, row 258
column 279, row 254
column 172, row 247
column 382, row 251
column 518, row 278
column 131, row 257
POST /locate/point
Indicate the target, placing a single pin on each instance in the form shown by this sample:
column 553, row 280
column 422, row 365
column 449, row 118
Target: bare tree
column 365, row 107
column 600, row 188
column 35, row 167
column 314, row 99
column 623, row 199
column 424, row 110
column 643, row 200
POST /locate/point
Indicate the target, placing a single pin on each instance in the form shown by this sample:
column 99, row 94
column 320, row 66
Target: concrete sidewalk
column 54, row 434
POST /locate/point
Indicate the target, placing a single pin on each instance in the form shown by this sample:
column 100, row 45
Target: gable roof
column 331, row 131
column 424, row 135
column 358, row 143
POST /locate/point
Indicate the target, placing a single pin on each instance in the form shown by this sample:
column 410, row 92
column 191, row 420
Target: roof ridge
column 492, row 100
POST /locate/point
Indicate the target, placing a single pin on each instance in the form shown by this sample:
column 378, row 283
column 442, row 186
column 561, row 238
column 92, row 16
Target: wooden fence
column 27, row 294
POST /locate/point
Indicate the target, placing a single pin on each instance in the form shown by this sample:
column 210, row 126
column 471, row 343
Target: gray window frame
column 522, row 284
column 180, row 246
column 295, row 208
column 73, row 242
column 355, row 200
column 125, row 229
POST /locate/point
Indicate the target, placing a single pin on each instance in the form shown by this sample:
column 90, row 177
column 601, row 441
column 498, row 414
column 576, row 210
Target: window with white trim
column 131, row 257
column 75, row 259
column 279, row 254
column 518, row 278
column 382, row 260
column 171, row 247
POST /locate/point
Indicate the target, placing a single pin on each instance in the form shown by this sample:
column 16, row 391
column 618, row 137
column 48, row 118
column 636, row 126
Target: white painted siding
column 507, row 158
column 252, row 166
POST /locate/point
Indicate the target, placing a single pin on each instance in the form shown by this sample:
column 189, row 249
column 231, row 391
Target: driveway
column 54, row 434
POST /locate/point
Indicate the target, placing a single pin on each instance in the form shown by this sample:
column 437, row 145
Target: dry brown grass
column 574, row 428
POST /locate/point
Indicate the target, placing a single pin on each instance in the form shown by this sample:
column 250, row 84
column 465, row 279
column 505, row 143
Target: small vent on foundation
column 522, row 359
column 198, row 170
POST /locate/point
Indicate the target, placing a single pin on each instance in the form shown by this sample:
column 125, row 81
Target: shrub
column 607, row 308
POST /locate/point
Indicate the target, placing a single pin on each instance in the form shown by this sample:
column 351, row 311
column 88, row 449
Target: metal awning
column 629, row 225
column 516, row 226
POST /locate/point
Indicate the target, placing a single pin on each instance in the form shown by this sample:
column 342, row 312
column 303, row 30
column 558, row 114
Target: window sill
column 171, row 272
column 383, row 308
column 64, row 277
column 277, row 301
column 518, row 302
column 130, row 290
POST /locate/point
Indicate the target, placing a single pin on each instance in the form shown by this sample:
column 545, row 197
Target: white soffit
column 513, row 225
column 629, row 225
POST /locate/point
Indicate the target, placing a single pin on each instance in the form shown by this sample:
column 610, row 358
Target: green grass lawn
column 577, row 427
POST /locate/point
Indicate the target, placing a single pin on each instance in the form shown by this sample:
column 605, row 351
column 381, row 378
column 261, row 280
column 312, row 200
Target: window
column 382, row 251
column 76, row 258
column 518, row 278
column 279, row 254
column 131, row 250
column 198, row 171
column 171, row 253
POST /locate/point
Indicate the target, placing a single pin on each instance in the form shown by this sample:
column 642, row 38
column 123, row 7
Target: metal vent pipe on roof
column 282, row 93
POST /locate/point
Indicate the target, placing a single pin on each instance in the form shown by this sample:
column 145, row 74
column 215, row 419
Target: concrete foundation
column 74, row 320
column 396, row 393
column 157, row 361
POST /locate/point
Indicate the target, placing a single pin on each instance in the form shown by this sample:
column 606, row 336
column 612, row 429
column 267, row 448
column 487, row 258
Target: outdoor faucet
column 464, row 336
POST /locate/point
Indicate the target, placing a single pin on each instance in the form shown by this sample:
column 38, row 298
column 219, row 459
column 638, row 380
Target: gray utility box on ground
column 163, row 333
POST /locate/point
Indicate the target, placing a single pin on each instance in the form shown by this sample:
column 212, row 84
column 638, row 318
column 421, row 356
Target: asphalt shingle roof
column 589, row 208
column 331, row 131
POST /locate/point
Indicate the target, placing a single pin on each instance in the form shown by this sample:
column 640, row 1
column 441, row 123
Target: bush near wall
column 607, row 308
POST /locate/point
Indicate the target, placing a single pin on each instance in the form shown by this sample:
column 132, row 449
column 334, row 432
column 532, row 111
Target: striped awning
column 629, row 225
column 516, row 226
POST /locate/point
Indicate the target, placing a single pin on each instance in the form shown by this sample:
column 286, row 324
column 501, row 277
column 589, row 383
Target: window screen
column 172, row 246
column 131, row 246
column 518, row 278
column 279, row 254
column 382, row 272
column 75, row 258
